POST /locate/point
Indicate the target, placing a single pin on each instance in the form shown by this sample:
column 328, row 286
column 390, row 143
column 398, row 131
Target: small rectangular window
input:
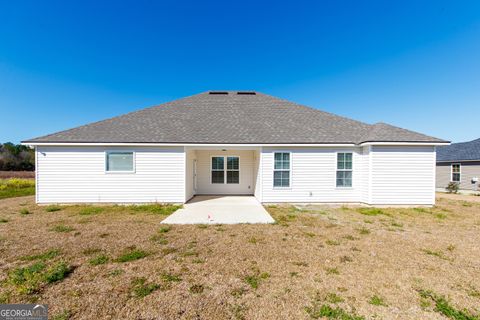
column 281, row 169
column 218, row 170
column 344, row 169
column 233, row 170
column 119, row 161
column 456, row 172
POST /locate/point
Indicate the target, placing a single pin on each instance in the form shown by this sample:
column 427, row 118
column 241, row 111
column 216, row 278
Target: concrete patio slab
column 220, row 210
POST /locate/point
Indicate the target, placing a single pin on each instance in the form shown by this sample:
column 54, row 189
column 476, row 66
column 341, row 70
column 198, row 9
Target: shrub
column 452, row 187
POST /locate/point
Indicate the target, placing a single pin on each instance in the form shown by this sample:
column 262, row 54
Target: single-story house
column 459, row 163
column 235, row 143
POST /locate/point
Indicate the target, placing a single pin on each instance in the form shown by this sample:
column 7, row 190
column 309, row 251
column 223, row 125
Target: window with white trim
column 344, row 169
column 218, row 170
column 456, row 172
column 119, row 161
column 281, row 169
column 231, row 171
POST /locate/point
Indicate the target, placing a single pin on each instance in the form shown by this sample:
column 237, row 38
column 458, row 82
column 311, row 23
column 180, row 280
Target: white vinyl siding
column 403, row 175
column 313, row 176
column 77, row 174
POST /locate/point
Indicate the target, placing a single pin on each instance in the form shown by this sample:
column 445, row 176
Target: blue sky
column 414, row 64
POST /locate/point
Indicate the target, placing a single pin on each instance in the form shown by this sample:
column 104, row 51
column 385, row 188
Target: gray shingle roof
column 459, row 151
column 233, row 118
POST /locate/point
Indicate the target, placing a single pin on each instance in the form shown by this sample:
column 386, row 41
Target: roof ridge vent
column 252, row 93
column 217, row 92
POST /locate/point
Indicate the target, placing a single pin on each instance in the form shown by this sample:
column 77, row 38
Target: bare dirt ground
column 363, row 263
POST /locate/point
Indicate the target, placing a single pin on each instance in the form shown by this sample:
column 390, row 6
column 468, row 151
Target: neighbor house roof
column 463, row 151
column 232, row 117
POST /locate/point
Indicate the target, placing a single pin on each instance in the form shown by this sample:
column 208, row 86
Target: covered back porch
column 221, row 170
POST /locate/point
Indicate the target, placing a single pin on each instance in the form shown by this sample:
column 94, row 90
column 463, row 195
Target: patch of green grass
column 368, row 221
column 397, row 224
column 422, row 210
column 10, row 188
column 371, row 211
column 253, row 280
column 159, row 238
column 332, row 271
column 100, row 259
column 27, row 279
column 467, row 204
column 90, row 210
column 116, row 272
column 325, row 311
column 156, row 208
column 300, row 263
column 332, row 242
column 377, row 301
column 451, row 247
column 3, row 220
column 62, row 228
column 438, row 254
column 349, row 237
column 444, row 307
column 50, row 254
column 52, row 208
column 132, row 255
column 196, row 288
column 363, row 230
column 142, row 289
column 25, row 211
column 170, row 277
column 440, row 216
column 252, row 240
column 165, row 229
column 57, row 272
column 31, row 279
column 334, row 298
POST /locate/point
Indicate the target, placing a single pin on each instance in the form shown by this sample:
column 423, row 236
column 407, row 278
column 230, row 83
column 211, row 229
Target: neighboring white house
column 235, row 143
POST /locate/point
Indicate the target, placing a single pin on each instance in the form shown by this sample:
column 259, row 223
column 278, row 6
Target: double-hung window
column 456, row 172
column 231, row 170
column 281, row 170
column 344, row 169
column 119, row 161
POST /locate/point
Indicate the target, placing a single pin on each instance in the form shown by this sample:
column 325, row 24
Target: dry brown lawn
column 369, row 263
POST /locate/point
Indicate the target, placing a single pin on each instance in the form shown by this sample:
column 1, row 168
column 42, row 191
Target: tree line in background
column 16, row 157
